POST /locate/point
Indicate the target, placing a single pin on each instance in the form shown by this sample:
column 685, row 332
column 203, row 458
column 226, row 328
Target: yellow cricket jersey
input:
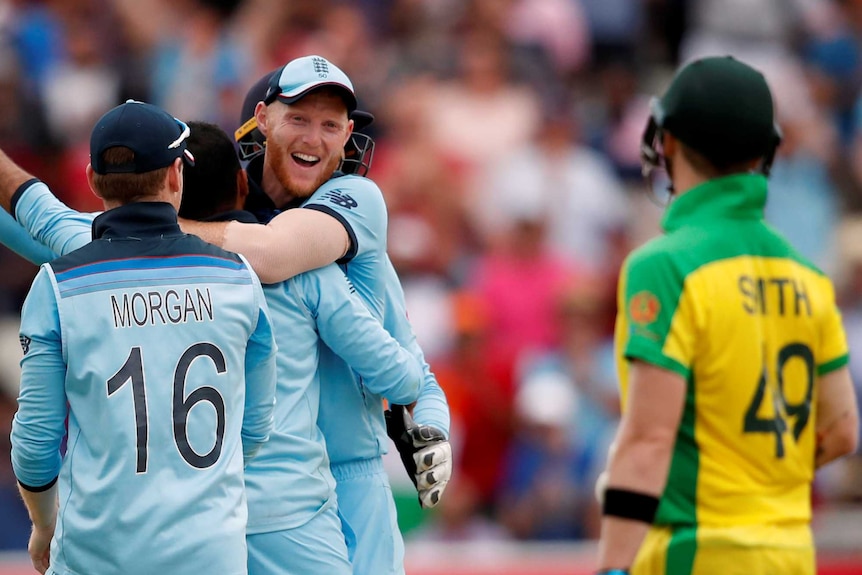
column 723, row 300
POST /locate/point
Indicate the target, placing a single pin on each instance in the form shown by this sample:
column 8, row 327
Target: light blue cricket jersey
column 290, row 479
column 16, row 238
column 156, row 349
column 351, row 414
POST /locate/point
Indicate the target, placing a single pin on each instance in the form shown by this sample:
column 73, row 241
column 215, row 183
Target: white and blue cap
column 155, row 137
column 303, row 75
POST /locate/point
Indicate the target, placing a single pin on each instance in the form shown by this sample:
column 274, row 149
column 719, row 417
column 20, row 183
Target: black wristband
column 630, row 505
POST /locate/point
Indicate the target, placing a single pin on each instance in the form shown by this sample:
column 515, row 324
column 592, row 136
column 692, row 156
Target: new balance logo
column 340, row 199
column 25, row 343
column 321, row 66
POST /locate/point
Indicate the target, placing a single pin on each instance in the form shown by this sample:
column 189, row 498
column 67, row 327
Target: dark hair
column 130, row 187
column 209, row 187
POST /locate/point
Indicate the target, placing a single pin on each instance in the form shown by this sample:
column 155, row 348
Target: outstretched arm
column 11, row 178
column 17, row 239
column 47, row 220
column 295, row 241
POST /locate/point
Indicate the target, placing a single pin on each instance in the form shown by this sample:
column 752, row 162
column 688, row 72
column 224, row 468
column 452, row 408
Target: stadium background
column 507, row 147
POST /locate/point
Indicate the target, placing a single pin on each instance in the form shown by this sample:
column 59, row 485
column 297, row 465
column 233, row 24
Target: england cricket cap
column 303, row 75
column 721, row 108
column 155, row 137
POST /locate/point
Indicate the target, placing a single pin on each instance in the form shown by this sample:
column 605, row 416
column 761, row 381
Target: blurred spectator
column 749, row 29
column 831, row 54
column 618, row 29
column 808, row 210
column 198, row 67
column 559, row 182
column 481, row 114
column 521, row 278
column 556, row 30
column 424, row 187
column 83, row 85
column 479, row 388
column 547, row 485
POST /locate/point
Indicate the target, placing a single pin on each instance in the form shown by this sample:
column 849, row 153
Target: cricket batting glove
column 424, row 451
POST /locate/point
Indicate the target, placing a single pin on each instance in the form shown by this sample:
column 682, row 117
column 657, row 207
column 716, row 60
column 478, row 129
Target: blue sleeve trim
column 18, row 193
column 41, row 489
column 354, row 243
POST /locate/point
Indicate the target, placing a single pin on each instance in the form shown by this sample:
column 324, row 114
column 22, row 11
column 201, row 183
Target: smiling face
column 304, row 143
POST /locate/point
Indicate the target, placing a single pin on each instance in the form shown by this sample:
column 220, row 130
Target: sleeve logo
column 339, row 198
column 25, row 343
column 644, row 308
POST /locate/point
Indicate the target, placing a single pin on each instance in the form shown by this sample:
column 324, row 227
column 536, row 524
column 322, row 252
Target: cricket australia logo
column 339, row 198
column 25, row 343
column 321, row 66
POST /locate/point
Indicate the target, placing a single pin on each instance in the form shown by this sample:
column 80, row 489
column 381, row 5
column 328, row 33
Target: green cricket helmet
column 720, row 108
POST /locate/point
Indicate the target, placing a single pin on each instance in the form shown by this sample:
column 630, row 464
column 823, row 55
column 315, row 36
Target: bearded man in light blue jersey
column 152, row 354
column 343, row 218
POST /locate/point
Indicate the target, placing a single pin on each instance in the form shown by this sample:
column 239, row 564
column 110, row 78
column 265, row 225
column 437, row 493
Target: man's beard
column 280, row 161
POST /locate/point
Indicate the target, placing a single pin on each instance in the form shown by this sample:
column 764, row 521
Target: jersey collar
column 138, row 220
column 735, row 197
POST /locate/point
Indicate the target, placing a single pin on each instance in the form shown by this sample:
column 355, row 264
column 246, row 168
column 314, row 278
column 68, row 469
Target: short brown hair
column 127, row 188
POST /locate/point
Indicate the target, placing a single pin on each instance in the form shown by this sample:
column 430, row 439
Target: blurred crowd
column 507, row 148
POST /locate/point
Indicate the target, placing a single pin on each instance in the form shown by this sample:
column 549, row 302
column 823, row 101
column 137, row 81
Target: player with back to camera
column 157, row 348
column 733, row 359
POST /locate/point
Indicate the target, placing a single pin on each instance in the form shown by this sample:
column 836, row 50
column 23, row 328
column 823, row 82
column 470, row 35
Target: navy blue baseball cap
column 303, row 75
column 155, row 137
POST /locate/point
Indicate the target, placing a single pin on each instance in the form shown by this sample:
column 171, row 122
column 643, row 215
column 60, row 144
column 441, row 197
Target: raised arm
column 17, row 239
column 295, row 241
column 46, row 219
column 49, row 221
column 11, row 178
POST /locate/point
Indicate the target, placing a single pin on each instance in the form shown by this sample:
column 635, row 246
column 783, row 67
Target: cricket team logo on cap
column 644, row 308
column 321, row 66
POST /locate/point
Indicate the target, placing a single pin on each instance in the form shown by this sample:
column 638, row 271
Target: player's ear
column 260, row 114
column 669, row 144
column 91, row 179
column 241, row 188
column 350, row 125
column 174, row 179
